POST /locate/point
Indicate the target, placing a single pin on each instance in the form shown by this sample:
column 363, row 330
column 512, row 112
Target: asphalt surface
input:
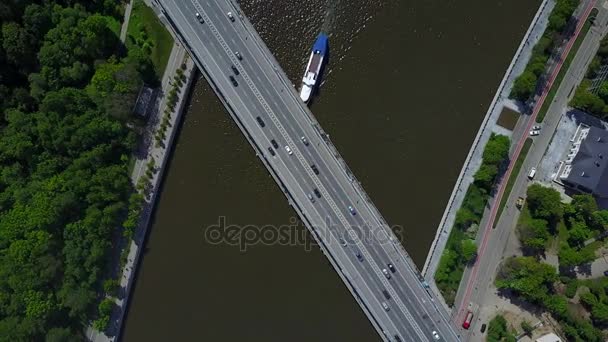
column 474, row 289
column 264, row 91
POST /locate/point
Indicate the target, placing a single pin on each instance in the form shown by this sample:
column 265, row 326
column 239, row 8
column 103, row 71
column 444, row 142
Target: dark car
column 274, row 143
column 317, row 193
column 271, row 151
column 235, row 70
column 483, row 328
column 397, row 338
column 359, row 256
column 606, row 273
column 391, row 267
column 314, row 168
column 233, row 80
column 386, row 295
column 260, row 121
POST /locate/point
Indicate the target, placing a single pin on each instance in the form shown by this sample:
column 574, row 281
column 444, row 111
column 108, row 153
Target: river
column 405, row 90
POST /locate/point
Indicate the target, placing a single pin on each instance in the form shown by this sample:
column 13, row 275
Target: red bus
column 467, row 321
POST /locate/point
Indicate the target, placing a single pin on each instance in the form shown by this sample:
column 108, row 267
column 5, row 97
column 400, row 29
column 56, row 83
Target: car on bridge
column 352, row 210
column 435, row 335
column 199, row 18
column 235, row 70
column 289, row 151
column 238, row 55
column 271, row 151
column 230, row 16
column 233, row 81
column 386, row 274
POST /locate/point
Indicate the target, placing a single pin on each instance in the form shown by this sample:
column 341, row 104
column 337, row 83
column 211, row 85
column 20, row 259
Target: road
column 478, row 281
column 264, row 92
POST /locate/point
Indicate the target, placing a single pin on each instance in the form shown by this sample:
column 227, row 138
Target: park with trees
column 589, row 98
column 573, row 231
column 525, row 84
column 67, row 86
column 461, row 248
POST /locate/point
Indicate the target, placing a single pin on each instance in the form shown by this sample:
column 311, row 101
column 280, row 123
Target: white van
column 532, row 173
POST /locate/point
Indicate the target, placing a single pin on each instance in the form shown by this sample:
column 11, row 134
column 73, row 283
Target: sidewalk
column 149, row 151
column 488, row 125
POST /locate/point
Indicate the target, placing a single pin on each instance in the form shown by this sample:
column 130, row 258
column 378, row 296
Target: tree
column 496, row 150
column 533, row 234
column 527, row 277
column 469, row 250
column 544, row 202
column 16, row 42
column 485, row 176
column 497, row 330
column 524, row 86
column 527, row 327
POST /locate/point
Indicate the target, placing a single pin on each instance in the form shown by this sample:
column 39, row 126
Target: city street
column 473, row 288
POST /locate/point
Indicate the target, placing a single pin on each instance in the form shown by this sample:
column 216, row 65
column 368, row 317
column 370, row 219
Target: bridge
column 347, row 226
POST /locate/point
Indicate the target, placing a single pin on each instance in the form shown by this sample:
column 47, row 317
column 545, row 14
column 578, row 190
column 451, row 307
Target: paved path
column 478, row 279
column 125, row 23
column 161, row 156
column 473, row 160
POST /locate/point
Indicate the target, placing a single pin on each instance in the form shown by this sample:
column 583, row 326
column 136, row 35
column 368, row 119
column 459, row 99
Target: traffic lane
column 275, row 102
column 255, row 124
column 409, row 307
column 276, row 105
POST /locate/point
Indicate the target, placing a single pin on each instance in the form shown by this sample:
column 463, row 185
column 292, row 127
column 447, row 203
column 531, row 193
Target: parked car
column 483, row 328
column 534, row 132
column 520, row 202
column 467, row 320
column 536, row 128
column 532, row 173
column 199, row 17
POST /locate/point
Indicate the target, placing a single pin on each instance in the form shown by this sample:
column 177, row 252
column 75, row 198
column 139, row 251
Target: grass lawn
column 144, row 22
column 562, row 72
column 114, row 25
column 516, row 168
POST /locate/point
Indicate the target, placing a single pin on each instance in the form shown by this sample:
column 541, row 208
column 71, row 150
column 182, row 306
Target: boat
column 313, row 69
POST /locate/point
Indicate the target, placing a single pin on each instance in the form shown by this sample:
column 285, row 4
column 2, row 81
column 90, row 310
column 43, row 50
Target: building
column 586, row 166
column 549, row 338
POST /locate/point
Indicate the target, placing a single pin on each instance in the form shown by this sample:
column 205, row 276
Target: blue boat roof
column 321, row 44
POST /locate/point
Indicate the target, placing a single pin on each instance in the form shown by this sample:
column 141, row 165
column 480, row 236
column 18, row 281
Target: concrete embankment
column 160, row 154
column 473, row 159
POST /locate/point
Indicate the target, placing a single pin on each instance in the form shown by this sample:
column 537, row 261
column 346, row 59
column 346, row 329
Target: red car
column 467, row 321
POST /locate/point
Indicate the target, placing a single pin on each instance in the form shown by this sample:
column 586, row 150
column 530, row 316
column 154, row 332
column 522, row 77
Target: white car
column 534, row 132
column 289, row 151
column 386, row 274
column 230, row 16
column 536, row 128
column 435, row 335
column 198, row 16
